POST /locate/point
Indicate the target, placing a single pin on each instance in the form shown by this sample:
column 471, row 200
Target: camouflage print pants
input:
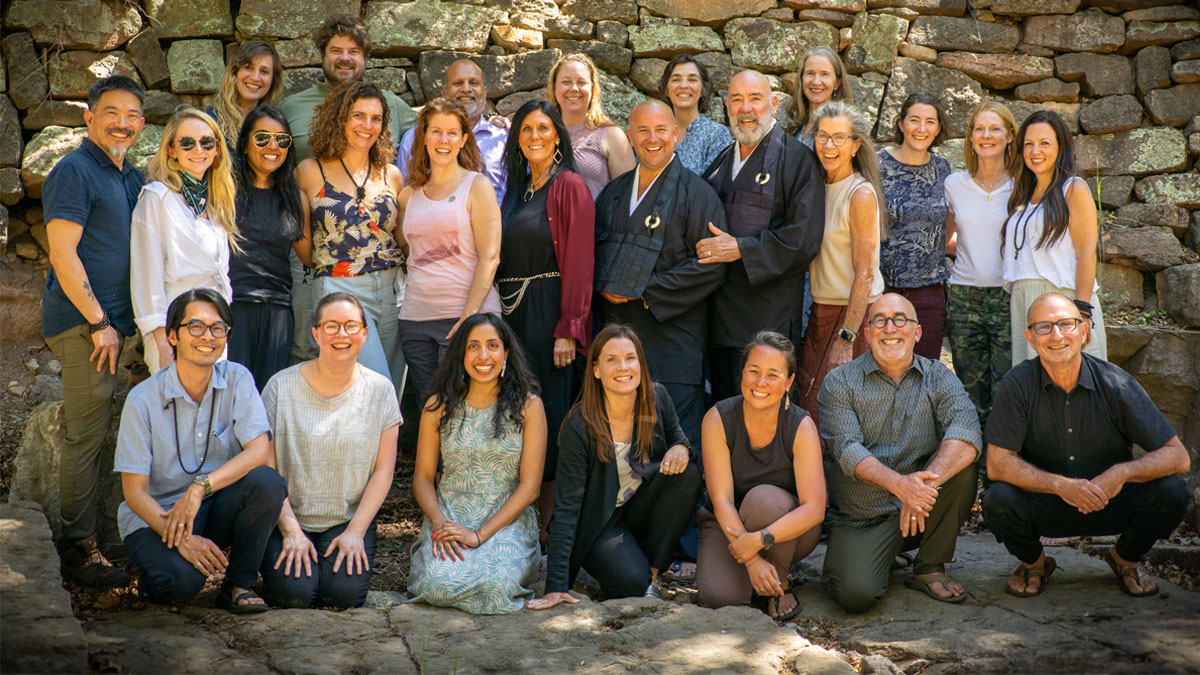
column 977, row 324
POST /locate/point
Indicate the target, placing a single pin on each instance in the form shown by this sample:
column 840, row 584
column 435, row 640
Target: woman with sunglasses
column 183, row 227
column 268, row 218
column 335, row 426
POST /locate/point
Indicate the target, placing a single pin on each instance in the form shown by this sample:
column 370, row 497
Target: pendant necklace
column 360, row 191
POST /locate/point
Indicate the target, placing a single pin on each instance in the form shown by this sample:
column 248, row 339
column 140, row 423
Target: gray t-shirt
column 326, row 447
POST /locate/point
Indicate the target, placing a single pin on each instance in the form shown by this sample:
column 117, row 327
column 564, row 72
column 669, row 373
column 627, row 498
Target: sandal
column 1044, row 571
column 791, row 613
column 934, row 577
column 234, row 604
column 1136, row 571
column 681, row 571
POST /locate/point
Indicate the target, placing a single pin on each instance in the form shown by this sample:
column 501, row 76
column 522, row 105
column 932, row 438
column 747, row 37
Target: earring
column 558, row 157
column 176, row 162
column 503, row 368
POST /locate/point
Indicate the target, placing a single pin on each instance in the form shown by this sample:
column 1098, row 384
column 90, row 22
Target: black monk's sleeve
column 674, row 291
column 788, row 248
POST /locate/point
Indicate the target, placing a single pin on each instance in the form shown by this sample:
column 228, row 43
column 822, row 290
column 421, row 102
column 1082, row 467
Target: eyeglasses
column 186, row 143
column 821, row 138
column 263, row 138
column 899, row 321
column 1064, row 326
column 219, row 330
column 331, row 327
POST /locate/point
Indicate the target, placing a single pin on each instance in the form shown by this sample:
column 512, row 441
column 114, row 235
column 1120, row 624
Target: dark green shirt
column 298, row 109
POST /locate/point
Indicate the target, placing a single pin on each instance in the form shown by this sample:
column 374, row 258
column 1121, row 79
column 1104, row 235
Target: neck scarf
column 195, row 192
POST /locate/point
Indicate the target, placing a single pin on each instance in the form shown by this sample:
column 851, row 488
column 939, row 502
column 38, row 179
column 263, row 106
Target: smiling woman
column 253, row 76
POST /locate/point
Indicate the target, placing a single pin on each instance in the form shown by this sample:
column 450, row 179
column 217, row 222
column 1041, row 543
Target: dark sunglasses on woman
column 186, row 143
column 263, row 138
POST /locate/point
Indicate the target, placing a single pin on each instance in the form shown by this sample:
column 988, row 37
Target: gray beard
column 749, row 138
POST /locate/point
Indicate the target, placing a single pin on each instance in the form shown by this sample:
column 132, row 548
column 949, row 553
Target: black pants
column 725, row 372
column 263, row 339
column 689, row 406
column 324, row 588
column 642, row 533
column 1142, row 513
column 240, row 517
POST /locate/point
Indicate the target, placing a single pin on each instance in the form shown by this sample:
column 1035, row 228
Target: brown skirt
column 824, row 322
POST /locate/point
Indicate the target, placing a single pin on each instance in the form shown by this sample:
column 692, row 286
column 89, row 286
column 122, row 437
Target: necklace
column 360, row 191
column 1022, row 227
column 992, row 186
column 535, row 184
column 212, row 406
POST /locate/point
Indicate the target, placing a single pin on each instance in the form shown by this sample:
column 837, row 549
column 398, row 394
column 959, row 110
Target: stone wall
column 1125, row 74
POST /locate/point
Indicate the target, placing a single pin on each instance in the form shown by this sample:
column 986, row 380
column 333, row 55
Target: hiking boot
column 84, row 564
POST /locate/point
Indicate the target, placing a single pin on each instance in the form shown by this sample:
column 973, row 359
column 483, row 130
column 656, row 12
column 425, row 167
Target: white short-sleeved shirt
column 1054, row 262
column 980, row 216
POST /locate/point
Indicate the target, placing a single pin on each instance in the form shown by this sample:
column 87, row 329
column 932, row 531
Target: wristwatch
column 768, row 539
column 104, row 322
column 847, row 335
column 202, row 481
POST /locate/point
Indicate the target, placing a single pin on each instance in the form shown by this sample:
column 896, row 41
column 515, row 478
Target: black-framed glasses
column 899, row 321
column 1064, row 326
column 332, row 327
column 186, row 143
column 821, row 138
column 219, row 330
column 263, row 138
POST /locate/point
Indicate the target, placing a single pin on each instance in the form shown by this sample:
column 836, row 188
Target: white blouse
column 1054, row 263
column 171, row 251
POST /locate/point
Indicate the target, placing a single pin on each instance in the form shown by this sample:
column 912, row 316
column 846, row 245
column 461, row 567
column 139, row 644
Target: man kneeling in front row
column 194, row 454
column 1060, row 448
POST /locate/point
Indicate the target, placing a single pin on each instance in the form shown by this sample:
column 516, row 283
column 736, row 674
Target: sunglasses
column 186, row 143
column 263, row 138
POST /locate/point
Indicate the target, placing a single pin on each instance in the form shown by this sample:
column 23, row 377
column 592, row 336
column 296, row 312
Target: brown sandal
column 1026, row 573
column 1124, row 571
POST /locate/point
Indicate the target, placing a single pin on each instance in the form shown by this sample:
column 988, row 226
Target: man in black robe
column 648, row 222
column 773, row 191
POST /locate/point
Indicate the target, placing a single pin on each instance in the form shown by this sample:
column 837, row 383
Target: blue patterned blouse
column 914, row 253
column 705, row 139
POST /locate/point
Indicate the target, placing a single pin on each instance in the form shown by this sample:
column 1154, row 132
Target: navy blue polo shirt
column 87, row 188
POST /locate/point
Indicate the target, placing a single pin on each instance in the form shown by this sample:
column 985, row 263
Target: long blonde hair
column 865, row 163
column 1012, row 154
column 222, row 209
column 798, row 109
column 595, row 117
column 229, row 113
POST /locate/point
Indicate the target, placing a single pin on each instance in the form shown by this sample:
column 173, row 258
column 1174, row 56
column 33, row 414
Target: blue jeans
column 377, row 292
column 324, row 588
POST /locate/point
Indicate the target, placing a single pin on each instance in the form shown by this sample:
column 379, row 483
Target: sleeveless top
column 832, row 271
column 351, row 239
column 1055, row 262
column 590, row 161
column 769, row 465
column 441, row 256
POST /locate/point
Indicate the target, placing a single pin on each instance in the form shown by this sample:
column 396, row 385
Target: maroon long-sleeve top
column 572, row 216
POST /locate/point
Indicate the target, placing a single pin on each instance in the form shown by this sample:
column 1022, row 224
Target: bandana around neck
column 195, row 192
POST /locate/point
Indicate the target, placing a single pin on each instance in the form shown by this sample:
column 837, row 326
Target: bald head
column 892, row 303
column 1049, row 304
column 463, row 84
column 652, row 131
column 750, row 79
column 650, row 107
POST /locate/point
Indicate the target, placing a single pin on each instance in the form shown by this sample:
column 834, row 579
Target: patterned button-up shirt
column 864, row 413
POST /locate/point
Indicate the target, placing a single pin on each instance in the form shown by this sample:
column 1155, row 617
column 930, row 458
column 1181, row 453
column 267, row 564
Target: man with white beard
column 774, row 195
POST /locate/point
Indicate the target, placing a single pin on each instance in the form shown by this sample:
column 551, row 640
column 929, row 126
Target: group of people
column 680, row 340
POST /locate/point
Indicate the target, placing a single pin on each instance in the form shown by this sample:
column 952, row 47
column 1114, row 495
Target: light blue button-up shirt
column 146, row 444
column 491, row 140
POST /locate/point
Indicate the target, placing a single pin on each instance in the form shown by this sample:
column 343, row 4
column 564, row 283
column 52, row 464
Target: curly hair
column 595, row 117
column 344, row 24
column 225, row 102
column 327, row 136
column 469, row 156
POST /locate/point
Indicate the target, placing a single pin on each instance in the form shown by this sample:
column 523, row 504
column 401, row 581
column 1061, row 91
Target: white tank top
column 1054, row 262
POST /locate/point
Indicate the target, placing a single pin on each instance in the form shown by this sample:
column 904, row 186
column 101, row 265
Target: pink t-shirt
column 441, row 256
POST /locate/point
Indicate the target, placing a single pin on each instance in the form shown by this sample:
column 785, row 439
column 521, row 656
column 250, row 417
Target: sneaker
column 84, row 564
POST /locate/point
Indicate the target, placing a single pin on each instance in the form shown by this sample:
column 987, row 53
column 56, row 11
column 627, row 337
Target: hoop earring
column 503, row 368
column 558, row 157
column 173, row 168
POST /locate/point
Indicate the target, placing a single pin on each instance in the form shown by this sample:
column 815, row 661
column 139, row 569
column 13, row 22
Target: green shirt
column 298, row 109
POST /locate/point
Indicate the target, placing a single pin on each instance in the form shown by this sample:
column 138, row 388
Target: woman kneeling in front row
column 627, row 483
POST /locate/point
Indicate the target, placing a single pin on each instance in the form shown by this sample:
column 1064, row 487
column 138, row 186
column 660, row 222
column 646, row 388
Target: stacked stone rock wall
column 1124, row 74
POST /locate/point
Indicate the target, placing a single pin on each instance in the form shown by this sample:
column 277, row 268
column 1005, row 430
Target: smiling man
column 903, row 437
column 648, row 222
column 1060, row 450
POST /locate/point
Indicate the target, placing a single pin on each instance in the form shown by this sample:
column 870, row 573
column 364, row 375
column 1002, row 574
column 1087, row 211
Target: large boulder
column 931, row 7
column 1154, row 215
column 662, row 41
column 73, row 73
column 11, row 143
column 1033, row 7
column 965, row 35
column 647, row 73
column 1120, row 287
column 1106, row 75
column 299, row 79
column 607, row 57
column 1152, row 68
column 1179, row 294
column 957, row 92
column 21, row 288
column 145, row 146
column 409, row 28
column 1181, row 189
column 1145, row 248
column 619, row 98
column 1112, row 191
column 76, row 24
column 265, row 19
column 43, row 151
column 149, row 58
column 27, row 82
column 868, row 95
column 196, row 66
column 998, row 71
column 565, row 27
column 190, row 18
column 1111, row 114
column 1089, row 31
column 625, row 11
column 1132, row 153
column 772, row 46
column 160, row 105
column 1125, row 341
column 874, row 42
column 1166, row 369
column 1174, row 107
column 11, row 189
column 504, row 75
column 1048, row 90
column 1140, row 34
column 707, row 12
column 513, row 39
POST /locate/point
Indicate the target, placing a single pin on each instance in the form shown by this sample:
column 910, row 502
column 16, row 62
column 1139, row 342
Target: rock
column 930, row 7
column 609, row 57
column 298, row 79
column 1179, row 294
column 298, row 53
column 1048, row 90
column 11, row 143
column 965, row 35
column 72, row 73
column 1136, row 152
column 509, row 104
column 1152, row 67
column 1182, row 189
column 265, row 19
column 1089, row 31
column 918, row 52
column 720, row 68
column 1111, row 114
column 43, row 151
column 1033, row 7
column 1175, row 106
column 667, row 41
column 951, row 150
column 814, row 660
column 146, row 145
column 829, row 16
column 1192, row 238
column 619, row 98
column 54, row 367
column 880, row 665
column 998, row 71
column 867, row 97
column 11, row 189
column 707, row 12
column 1142, row 33
column 391, row 79
column 1185, row 51
column 1145, row 248
column 1186, row 72
column 1157, row 215
column 957, row 93
column 27, row 82
column 647, row 73
column 1101, row 75
column 1164, row 13
column 47, row 389
column 875, row 40
column 625, row 11
column 612, row 32
column 503, row 74
column 149, row 58
column 195, row 66
column 41, row 634
column 1125, row 341
column 1120, row 287
column 773, row 47
column 1194, row 144
column 160, row 105
column 1034, row 50
column 26, row 249
column 567, row 27
column 1166, row 369
column 845, row 6
column 76, row 24
column 514, row 39
column 409, row 28
column 190, row 18
column 16, row 388
column 1112, row 191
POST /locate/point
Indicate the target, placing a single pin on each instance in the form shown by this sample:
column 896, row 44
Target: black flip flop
column 790, row 614
column 234, row 606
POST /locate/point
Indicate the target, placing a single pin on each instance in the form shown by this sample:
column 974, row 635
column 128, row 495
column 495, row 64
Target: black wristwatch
column 104, row 322
column 848, row 336
column 768, row 539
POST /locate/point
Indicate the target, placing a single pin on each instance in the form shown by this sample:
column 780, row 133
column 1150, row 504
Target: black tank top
column 772, row 464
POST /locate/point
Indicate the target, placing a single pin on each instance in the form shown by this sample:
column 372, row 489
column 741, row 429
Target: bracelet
column 104, row 322
column 478, row 539
column 1084, row 307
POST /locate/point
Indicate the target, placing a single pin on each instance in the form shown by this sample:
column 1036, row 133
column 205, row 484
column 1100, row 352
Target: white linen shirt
column 171, row 251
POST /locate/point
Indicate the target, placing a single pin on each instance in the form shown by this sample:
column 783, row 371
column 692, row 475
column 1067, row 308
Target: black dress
column 527, row 250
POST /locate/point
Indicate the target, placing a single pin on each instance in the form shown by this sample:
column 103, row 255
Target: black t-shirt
column 261, row 273
column 769, row 465
column 1080, row 434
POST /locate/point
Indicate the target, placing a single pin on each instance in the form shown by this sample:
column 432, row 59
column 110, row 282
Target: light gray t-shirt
column 326, row 447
